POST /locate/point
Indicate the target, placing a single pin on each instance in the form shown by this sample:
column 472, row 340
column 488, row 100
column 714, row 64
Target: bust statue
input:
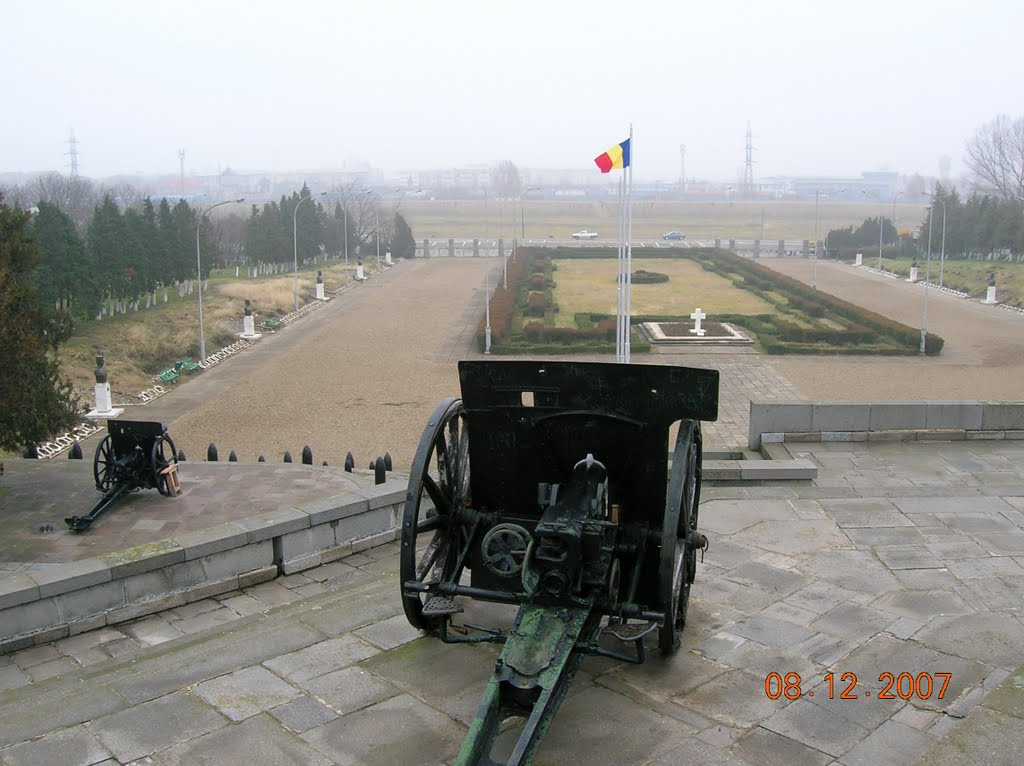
column 319, row 277
column 248, row 307
column 991, row 279
column 100, row 372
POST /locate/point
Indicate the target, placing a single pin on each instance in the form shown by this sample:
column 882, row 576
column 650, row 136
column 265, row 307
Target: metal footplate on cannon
column 570, row 512
column 133, row 455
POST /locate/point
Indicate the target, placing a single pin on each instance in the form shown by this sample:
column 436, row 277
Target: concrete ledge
column 57, row 600
column 773, row 422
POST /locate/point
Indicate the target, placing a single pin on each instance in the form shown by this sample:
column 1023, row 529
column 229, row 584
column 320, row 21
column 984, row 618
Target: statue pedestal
column 103, row 409
column 913, row 274
column 359, row 272
column 320, row 292
column 990, row 294
column 387, row 259
column 860, row 260
column 249, row 329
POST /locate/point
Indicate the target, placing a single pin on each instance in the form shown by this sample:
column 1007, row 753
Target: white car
column 585, row 235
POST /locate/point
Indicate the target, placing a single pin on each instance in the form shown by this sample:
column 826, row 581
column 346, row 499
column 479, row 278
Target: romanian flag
column 616, row 157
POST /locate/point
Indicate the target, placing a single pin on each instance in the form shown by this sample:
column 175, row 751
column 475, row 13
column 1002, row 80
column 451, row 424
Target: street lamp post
column 942, row 256
column 295, row 243
column 927, row 276
column 895, row 197
column 814, row 261
column 199, row 273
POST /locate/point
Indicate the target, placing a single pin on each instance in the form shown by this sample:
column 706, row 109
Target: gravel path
column 363, row 381
column 363, row 373
column 983, row 356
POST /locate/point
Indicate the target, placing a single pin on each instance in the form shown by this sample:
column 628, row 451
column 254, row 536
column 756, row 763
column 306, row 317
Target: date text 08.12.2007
column 903, row 686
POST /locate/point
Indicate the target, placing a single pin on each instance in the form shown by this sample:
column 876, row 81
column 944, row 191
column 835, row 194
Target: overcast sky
column 829, row 88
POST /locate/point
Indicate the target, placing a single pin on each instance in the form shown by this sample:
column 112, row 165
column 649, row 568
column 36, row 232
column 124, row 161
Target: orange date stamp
column 902, row 686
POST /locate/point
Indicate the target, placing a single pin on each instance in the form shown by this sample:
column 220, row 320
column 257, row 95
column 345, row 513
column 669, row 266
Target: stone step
column 800, row 469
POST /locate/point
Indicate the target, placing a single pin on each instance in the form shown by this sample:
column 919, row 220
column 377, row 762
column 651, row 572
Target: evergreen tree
column 35, row 402
column 403, row 245
column 63, row 275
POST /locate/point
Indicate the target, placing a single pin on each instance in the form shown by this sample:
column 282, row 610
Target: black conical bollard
column 350, row 462
column 211, row 453
column 387, row 461
column 287, row 457
column 261, row 459
column 325, row 462
column 379, row 476
column 307, row 455
column 232, row 458
column 76, row 452
column 181, row 456
column 30, row 452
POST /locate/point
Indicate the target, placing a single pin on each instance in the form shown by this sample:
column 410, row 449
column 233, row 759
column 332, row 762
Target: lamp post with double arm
column 199, row 272
column 295, row 242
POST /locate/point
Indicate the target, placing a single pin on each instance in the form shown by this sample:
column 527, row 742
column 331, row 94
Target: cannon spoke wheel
column 435, row 531
column 103, row 465
column 163, row 455
column 679, row 537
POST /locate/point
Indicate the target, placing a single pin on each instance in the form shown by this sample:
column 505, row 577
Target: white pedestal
column 320, row 291
column 990, row 294
column 359, row 272
column 103, row 409
column 249, row 329
column 387, row 259
column 860, row 259
column 913, row 274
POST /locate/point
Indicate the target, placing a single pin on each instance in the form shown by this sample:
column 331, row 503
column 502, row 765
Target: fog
column 828, row 88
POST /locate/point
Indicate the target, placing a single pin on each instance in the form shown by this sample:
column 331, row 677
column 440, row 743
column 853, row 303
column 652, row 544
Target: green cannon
column 548, row 486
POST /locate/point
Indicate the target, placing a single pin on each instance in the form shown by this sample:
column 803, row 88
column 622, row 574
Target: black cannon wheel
column 679, row 534
column 103, row 465
column 434, row 527
column 162, row 456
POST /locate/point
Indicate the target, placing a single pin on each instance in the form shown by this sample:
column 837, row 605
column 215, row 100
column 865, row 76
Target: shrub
column 642, row 277
column 536, row 304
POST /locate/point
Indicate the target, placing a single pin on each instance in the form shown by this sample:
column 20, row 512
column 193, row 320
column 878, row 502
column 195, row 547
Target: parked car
column 585, row 235
column 673, row 235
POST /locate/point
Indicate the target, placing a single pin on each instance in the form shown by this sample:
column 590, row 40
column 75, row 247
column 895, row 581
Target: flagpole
column 629, row 245
column 619, row 219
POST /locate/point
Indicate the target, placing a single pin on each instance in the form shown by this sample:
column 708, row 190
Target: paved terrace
column 898, row 558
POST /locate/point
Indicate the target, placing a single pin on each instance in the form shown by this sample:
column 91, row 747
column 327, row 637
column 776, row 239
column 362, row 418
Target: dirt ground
column 983, row 356
column 366, row 379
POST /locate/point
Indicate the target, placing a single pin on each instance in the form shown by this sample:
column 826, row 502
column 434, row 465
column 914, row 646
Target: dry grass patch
column 589, row 285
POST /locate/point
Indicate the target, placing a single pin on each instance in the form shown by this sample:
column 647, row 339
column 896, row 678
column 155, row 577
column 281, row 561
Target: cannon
column 133, row 455
column 548, row 486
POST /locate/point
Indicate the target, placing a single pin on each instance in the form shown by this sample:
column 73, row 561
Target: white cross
column 696, row 316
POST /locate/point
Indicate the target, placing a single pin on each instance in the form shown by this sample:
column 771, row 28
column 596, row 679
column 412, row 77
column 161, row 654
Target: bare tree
column 74, row 196
column 505, row 180
column 995, row 156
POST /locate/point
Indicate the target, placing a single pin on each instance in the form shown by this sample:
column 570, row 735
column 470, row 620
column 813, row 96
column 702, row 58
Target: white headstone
column 697, row 316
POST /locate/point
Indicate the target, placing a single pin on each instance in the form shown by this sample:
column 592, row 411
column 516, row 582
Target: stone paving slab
column 802, row 581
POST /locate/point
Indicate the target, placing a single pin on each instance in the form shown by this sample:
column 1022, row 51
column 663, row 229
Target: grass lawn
column 589, row 285
column 968, row 276
column 651, row 218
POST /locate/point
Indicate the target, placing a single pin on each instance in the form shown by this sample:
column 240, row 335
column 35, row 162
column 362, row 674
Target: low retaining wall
column 883, row 421
column 46, row 602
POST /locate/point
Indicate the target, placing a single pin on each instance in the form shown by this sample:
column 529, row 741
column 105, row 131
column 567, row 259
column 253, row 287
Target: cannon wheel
column 162, row 456
column 678, row 552
column 435, row 503
column 103, row 465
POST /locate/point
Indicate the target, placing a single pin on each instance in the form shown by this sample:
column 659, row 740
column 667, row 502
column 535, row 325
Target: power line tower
column 181, row 159
column 748, row 168
column 73, row 154
column 682, row 167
